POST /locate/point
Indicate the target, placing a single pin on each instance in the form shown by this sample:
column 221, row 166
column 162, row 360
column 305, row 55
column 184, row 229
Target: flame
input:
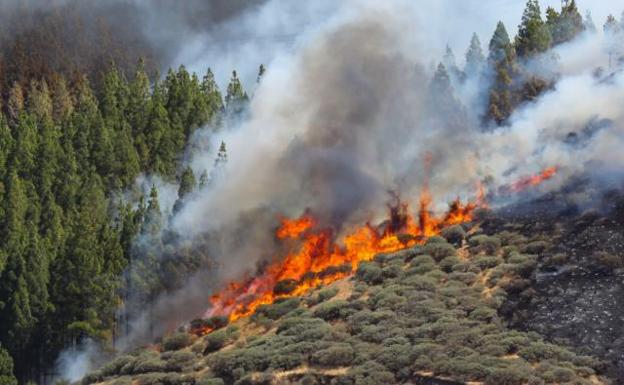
column 531, row 180
column 321, row 258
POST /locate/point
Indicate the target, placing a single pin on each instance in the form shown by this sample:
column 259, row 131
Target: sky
column 264, row 31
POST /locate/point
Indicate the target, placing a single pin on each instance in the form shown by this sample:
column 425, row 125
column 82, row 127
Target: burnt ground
column 577, row 294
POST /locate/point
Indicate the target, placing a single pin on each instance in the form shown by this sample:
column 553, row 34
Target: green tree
column 188, row 184
column 566, row 25
column 475, row 59
column 533, row 34
column 502, row 62
column 6, row 368
column 236, row 98
column 589, row 22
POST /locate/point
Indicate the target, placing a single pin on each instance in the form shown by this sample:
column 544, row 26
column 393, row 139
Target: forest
column 82, row 245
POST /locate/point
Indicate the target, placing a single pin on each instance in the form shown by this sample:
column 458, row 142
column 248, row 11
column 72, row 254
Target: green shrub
column 507, row 376
column 332, row 310
column 484, row 244
column 177, row 360
column 215, row 341
column 454, row 234
column 328, row 293
column 370, row 273
column 391, row 271
column 535, row 247
column 439, row 250
column 277, row 309
column 467, row 278
column 537, row 351
column 114, row 367
column 177, row 341
column 370, row 373
column 485, row 262
column 340, row 354
column 210, row 381
column 447, row 263
column 483, row 313
column 286, row 361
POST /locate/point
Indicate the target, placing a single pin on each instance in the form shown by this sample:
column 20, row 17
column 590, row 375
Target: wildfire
column 321, row 258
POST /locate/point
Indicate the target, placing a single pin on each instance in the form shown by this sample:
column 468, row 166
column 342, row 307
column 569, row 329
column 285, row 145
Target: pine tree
column 62, row 100
column 219, row 164
column 211, row 91
column 203, row 180
column 15, row 104
column 502, row 62
column 589, row 22
column 566, row 25
column 6, row 368
column 187, row 186
column 40, row 100
column 533, row 34
column 153, row 222
column 475, row 59
column 236, row 98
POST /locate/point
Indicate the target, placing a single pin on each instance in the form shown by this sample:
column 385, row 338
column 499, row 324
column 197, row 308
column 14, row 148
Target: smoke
column 76, row 362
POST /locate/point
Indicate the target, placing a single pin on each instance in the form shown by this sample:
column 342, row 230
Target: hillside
column 430, row 314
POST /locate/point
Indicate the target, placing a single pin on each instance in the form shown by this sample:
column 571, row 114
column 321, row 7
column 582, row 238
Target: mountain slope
column 425, row 315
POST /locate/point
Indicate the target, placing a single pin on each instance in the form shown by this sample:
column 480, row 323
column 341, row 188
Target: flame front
column 320, row 259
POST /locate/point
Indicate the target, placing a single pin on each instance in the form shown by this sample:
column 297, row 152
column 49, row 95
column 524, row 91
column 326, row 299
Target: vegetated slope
column 426, row 315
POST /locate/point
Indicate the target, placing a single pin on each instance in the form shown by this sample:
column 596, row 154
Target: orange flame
column 532, row 180
column 321, row 259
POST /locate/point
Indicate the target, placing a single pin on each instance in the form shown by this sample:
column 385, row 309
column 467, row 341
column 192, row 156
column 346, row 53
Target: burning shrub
column 285, row 286
column 336, row 355
column 370, row 273
column 439, row 249
column 201, row 326
column 454, row 234
column 177, row 341
column 484, row 244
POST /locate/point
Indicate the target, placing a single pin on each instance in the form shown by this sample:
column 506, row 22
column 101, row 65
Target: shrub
column 535, row 247
column 607, row 261
column 328, row 293
column 286, row 361
column 177, row 341
column 176, row 361
column 370, row 373
column 215, row 341
column 391, row 271
column 285, row 286
column 114, row 366
column 148, row 364
column 537, row 351
column 439, row 250
column 210, row 381
column 484, row 244
column 370, row 273
column 467, row 278
column 507, row 376
column 483, row 313
column 485, row 262
column 340, row 354
column 454, row 234
column 216, row 322
column 277, row 309
column 332, row 310
column 447, row 263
